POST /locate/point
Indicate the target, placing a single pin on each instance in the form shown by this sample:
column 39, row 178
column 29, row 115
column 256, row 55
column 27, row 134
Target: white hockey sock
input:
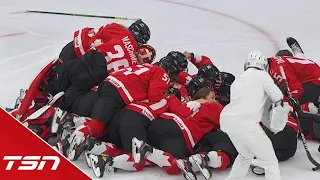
column 215, row 159
column 79, row 120
column 159, row 157
column 125, row 162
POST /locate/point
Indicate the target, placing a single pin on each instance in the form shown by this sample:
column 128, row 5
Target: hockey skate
column 294, row 45
column 62, row 146
column 78, row 143
column 100, row 164
column 140, row 150
column 201, row 160
column 185, row 166
column 93, row 144
column 18, row 100
column 62, row 124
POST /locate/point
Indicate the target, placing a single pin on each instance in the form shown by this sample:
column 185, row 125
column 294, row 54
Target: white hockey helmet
column 256, row 60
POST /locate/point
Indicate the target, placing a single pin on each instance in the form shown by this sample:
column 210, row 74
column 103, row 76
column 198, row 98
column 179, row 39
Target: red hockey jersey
column 297, row 70
column 206, row 118
column 183, row 91
column 119, row 53
column 88, row 37
column 153, row 110
column 113, row 40
column 140, row 82
column 199, row 61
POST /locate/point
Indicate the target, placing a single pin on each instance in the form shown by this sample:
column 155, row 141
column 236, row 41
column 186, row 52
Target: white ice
column 223, row 30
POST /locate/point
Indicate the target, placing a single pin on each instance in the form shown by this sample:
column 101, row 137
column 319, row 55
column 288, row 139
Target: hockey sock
column 218, row 160
column 125, row 162
column 103, row 148
column 164, row 160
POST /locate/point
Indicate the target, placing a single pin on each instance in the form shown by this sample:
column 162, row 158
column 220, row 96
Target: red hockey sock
column 225, row 160
column 125, row 162
column 94, row 128
column 164, row 160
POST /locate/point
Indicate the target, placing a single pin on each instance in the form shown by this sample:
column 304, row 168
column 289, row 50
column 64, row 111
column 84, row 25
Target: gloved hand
column 295, row 104
column 282, row 88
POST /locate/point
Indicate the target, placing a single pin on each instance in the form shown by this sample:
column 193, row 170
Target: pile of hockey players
column 107, row 98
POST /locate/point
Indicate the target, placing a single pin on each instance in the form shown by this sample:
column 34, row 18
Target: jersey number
column 139, row 71
column 118, row 64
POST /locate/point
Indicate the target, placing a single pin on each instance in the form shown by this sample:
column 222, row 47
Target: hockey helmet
column 146, row 53
column 180, row 58
column 210, row 72
column 227, row 78
column 140, row 31
column 284, row 52
column 256, row 60
column 171, row 67
column 197, row 83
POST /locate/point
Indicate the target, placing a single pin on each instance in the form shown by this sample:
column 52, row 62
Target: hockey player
column 303, row 74
column 126, row 86
column 88, row 70
column 75, row 78
column 171, row 136
column 240, row 118
column 87, row 38
column 214, row 150
column 132, row 121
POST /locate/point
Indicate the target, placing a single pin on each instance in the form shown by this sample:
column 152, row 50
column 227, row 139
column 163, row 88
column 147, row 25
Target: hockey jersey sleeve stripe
column 182, row 125
column 145, row 111
column 120, row 85
column 158, row 105
column 80, row 43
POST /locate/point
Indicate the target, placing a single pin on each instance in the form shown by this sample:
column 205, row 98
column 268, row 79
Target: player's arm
column 182, row 109
column 214, row 114
column 159, row 84
column 184, row 78
column 197, row 60
column 294, row 85
column 271, row 89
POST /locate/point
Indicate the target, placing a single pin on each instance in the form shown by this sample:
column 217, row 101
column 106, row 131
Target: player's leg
column 284, row 142
column 108, row 103
column 242, row 162
column 83, row 74
column 133, row 124
column 167, row 144
column 105, row 107
column 260, row 145
column 311, row 93
column 215, row 151
column 316, row 131
column 83, row 104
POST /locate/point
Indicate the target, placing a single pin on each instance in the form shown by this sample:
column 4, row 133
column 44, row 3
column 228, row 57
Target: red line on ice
column 14, row 34
column 260, row 30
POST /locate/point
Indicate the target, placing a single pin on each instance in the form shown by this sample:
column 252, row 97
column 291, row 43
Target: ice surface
column 223, row 30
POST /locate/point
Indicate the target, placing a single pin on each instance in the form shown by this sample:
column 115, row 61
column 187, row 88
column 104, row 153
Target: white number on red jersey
column 138, row 69
column 295, row 60
column 118, row 64
column 166, row 78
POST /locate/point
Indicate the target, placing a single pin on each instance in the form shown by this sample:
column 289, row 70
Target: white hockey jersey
column 248, row 99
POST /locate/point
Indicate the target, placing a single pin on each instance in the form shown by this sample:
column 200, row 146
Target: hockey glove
column 295, row 104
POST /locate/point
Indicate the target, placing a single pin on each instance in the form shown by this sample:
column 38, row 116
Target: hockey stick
column 314, row 162
column 75, row 14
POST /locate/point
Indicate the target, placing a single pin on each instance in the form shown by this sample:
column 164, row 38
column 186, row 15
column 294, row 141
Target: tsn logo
column 30, row 163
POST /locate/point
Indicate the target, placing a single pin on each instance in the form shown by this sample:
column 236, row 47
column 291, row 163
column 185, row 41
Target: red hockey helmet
column 146, row 53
